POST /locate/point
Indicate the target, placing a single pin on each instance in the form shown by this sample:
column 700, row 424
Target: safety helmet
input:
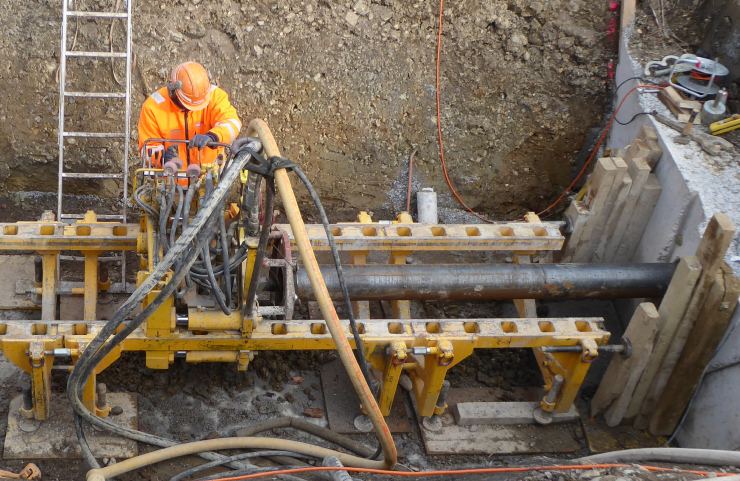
column 191, row 85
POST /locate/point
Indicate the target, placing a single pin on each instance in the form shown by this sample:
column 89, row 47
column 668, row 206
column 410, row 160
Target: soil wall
column 347, row 88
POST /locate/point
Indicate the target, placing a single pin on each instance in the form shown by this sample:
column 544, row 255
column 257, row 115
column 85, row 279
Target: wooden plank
column 639, row 220
column 638, row 149
column 577, row 214
column 606, row 210
column 673, row 95
column 638, row 171
column 627, row 13
column 602, row 182
column 678, row 112
column 526, row 439
column 621, row 153
column 655, row 153
column 711, row 253
column 621, row 377
column 613, row 219
column 497, row 413
column 647, row 133
column 671, row 310
column 705, row 336
column 343, row 405
column 55, row 438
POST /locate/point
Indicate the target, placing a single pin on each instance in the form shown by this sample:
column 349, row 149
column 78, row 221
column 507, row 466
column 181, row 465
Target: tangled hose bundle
column 191, row 257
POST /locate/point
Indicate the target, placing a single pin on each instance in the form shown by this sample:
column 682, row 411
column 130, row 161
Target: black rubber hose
column 163, row 215
column 225, row 257
column 84, row 446
column 340, row 275
column 178, row 211
column 362, row 361
column 143, row 205
column 235, row 261
column 307, row 427
column 189, row 244
column 238, row 457
column 215, row 290
column 185, row 219
column 261, row 247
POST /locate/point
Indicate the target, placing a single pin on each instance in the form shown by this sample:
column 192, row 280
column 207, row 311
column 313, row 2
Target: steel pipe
column 470, row 282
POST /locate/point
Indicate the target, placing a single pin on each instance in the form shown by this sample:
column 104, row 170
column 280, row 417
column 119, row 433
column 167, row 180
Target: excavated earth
column 349, row 92
column 347, row 88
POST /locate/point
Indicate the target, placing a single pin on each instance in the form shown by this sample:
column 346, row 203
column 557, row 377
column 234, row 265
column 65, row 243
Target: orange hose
column 585, row 166
column 462, row 471
column 439, row 120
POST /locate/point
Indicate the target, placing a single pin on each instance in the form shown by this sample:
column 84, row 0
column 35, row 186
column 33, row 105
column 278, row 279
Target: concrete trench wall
column 695, row 187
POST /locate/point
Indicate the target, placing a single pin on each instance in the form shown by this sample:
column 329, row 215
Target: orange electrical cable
column 461, row 471
column 601, row 139
column 439, row 120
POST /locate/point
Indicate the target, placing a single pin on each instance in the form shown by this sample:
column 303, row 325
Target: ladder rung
column 101, row 135
column 96, row 54
column 97, row 14
column 71, row 175
column 100, row 217
column 97, row 95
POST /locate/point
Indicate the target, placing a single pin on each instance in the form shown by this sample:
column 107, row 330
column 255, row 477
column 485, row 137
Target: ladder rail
column 62, row 84
column 126, row 135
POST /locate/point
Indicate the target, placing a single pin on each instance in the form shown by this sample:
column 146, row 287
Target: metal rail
column 467, row 282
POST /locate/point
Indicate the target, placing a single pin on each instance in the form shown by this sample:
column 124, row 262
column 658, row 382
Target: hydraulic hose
column 178, row 212
column 261, row 248
column 191, row 241
column 225, row 443
column 307, row 427
column 164, row 213
column 340, row 273
column 215, row 290
column 239, row 457
column 331, row 318
column 702, row 457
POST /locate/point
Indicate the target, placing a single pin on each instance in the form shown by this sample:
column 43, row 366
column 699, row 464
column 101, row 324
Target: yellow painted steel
column 386, row 344
column 211, row 336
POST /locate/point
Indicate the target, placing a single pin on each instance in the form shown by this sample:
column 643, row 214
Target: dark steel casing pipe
column 471, row 282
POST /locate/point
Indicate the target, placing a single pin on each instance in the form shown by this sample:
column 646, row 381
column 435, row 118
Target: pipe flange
column 541, row 416
column 28, row 425
column 432, row 423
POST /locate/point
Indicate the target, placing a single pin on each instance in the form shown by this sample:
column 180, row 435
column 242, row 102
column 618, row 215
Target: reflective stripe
column 228, row 123
column 213, row 87
column 235, row 123
column 158, row 97
column 231, row 132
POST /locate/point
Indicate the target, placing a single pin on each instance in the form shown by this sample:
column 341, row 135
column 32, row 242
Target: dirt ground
column 347, row 88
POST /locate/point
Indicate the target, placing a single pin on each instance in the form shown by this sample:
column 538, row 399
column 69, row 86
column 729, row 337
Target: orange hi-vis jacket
column 161, row 119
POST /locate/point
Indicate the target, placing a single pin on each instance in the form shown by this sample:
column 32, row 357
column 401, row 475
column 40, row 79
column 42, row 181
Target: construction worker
column 188, row 108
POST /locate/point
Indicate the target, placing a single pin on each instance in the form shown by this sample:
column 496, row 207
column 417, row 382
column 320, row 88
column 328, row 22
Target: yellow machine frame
column 426, row 349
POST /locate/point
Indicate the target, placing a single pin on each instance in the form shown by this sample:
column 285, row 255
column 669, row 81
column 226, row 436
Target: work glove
column 170, row 154
column 199, row 141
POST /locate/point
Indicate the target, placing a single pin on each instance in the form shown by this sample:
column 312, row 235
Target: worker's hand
column 170, row 154
column 200, row 140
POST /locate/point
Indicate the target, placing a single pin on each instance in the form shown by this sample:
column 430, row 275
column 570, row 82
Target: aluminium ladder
column 125, row 134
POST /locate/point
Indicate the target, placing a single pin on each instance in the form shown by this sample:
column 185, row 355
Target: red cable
column 439, row 121
column 585, row 166
column 462, row 471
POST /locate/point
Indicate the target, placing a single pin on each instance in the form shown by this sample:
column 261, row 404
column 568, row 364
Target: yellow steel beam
column 513, row 236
